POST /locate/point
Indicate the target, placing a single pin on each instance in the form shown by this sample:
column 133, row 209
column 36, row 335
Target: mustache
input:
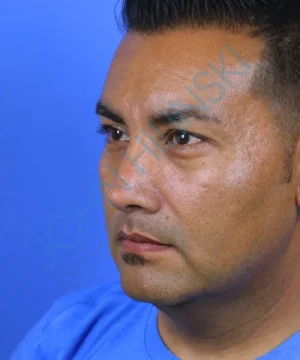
column 144, row 228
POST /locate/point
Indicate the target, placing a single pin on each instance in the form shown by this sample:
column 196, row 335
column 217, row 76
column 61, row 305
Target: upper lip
column 137, row 238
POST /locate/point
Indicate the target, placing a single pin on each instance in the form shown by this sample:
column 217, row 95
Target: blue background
column 54, row 59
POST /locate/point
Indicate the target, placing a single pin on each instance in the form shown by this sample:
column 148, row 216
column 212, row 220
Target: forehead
column 206, row 68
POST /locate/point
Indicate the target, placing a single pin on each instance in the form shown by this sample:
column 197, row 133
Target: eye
column 182, row 137
column 114, row 134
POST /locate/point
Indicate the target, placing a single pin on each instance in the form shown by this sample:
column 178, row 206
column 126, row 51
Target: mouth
column 137, row 243
column 138, row 238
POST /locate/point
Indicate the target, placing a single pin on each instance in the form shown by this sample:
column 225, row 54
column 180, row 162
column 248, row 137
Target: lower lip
column 137, row 247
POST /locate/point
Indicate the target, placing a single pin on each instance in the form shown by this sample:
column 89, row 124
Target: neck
column 241, row 324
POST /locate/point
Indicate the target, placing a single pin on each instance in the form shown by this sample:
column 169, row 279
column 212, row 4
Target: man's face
column 217, row 193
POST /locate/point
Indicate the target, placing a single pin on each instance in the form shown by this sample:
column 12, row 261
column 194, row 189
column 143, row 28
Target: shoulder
column 91, row 296
column 83, row 302
column 70, row 319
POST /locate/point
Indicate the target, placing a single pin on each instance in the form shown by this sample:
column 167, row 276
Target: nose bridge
column 140, row 159
column 134, row 178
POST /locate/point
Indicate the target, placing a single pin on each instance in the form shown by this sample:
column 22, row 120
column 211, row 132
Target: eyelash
column 104, row 130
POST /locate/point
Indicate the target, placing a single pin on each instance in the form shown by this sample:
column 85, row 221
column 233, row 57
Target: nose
column 133, row 183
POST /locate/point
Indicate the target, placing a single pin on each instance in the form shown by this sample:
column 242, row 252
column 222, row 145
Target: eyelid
column 104, row 129
column 197, row 136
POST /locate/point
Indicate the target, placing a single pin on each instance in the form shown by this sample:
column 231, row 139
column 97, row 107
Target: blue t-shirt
column 104, row 323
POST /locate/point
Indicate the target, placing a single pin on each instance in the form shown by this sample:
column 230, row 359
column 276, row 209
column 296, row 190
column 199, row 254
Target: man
column 201, row 175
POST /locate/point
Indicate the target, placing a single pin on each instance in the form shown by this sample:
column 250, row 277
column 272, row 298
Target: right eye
column 113, row 133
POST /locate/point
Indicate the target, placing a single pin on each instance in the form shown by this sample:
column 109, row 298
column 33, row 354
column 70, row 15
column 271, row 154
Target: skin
column 228, row 288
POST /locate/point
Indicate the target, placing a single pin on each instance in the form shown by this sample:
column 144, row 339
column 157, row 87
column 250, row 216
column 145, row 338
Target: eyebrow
column 165, row 117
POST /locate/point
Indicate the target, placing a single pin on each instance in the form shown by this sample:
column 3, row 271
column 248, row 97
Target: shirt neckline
column 155, row 347
column 157, row 350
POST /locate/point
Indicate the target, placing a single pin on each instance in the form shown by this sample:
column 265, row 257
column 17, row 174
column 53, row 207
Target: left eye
column 181, row 137
column 114, row 134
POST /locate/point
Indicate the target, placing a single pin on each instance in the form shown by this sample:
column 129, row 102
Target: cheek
column 200, row 204
column 106, row 179
column 213, row 203
column 108, row 173
column 103, row 173
column 225, row 214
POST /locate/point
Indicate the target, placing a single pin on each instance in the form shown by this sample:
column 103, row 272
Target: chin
column 158, row 293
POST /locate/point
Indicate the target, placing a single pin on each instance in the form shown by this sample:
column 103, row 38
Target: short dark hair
column 276, row 22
